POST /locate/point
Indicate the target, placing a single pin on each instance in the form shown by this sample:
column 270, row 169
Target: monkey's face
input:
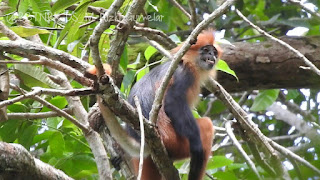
column 208, row 56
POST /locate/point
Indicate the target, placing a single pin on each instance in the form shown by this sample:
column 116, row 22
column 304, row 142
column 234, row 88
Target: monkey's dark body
column 175, row 119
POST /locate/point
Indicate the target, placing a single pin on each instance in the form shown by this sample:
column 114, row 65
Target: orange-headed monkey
column 182, row 134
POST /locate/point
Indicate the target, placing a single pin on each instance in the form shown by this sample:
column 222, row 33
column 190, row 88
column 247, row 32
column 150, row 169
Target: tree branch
column 16, row 161
column 238, row 146
column 97, row 32
column 38, row 115
column 247, row 124
column 300, row 4
column 300, row 55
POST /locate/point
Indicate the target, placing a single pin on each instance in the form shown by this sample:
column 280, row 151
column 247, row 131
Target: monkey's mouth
column 210, row 60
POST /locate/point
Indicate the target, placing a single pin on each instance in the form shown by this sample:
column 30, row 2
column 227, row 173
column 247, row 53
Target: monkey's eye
column 205, row 50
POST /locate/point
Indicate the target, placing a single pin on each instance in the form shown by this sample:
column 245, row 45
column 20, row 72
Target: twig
column 287, row 152
column 258, row 155
column 136, row 100
column 192, row 8
column 67, row 92
column 299, row 3
column 299, row 54
column 275, row 138
column 295, row 108
column 4, row 89
column 257, row 36
column 242, row 100
column 159, row 48
column 156, row 35
column 176, row 58
column 209, row 106
column 247, row 124
column 19, row 98
column 175, row 3
column 296, row 168
column 38, row 115
column 88, row 23
column 148, row 65
column 238, row 146
column 34, row 95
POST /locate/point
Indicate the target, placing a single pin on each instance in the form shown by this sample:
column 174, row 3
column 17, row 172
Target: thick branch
column 121, row 36
column 17, row 163
column 284, row 44
column 26, row 48
column 267, row 65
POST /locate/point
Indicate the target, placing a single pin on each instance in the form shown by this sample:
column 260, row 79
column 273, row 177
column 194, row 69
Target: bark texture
column 268, row 65
column 17, row 163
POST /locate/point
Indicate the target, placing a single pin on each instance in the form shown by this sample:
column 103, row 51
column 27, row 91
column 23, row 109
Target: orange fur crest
column 204, row 39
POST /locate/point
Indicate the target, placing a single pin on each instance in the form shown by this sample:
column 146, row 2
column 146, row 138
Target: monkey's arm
column 177, row 109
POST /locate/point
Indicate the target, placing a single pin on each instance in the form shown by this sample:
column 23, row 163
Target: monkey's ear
column 93, row 70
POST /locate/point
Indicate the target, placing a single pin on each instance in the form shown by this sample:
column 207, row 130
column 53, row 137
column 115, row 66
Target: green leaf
column 234, row 166
column 127, row 80
column 43, row 136
column 229, row 175
column 33, row 76
column 76, row 20
column 142, row 73
column 57, row 144
column 53, row 122
column 124, row 59
column 12, row 5
column 218, row 162
column 104, row 4
column 223, row 66
column 40, row 9
column 153, row 6
column 62, row 4
column 292, row 94
column 40, row 6
column 195, row 114
column 136, row 63
column 104, row 45
column 18, row 107
column 27, row 136
column 8, row 130
column 58, row 101
column 72, row 26
column 264, row 99
column 84, row 162
column 149, row 52
column 26, row 31
column 23, row 8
